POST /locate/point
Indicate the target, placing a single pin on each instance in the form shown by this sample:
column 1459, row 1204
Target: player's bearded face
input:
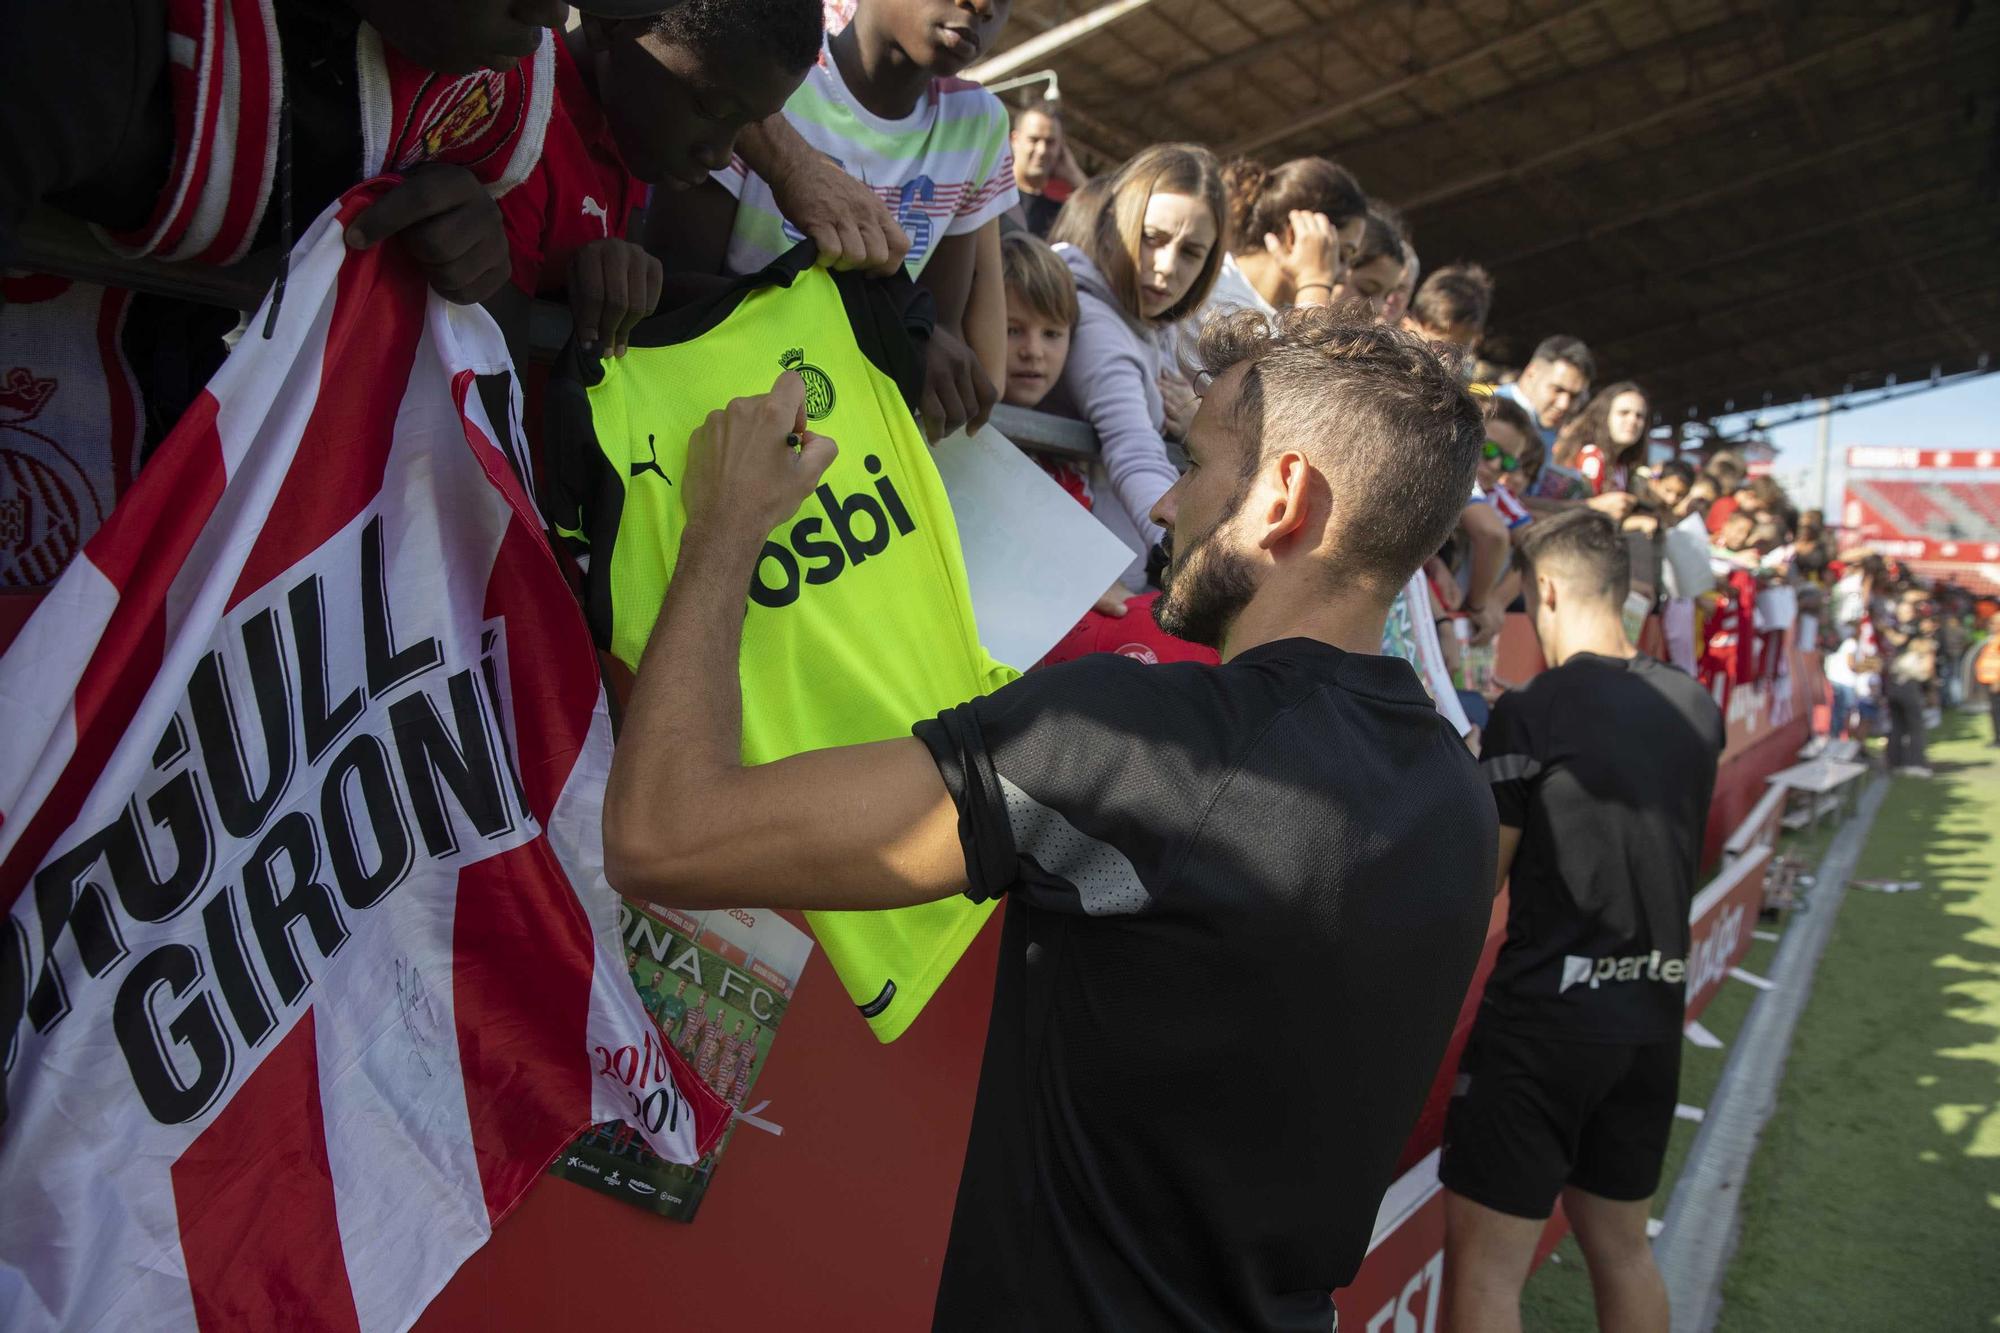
column 1207, row 580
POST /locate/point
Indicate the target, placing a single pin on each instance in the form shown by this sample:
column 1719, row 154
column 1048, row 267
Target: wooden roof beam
column 1526, row 105
column 1655, row 281
column 1695, row 322
column 1673, row 110
column 1683, row 372
column 1818, row 377
column 1045, row 45
column 1395, row 88
column 1735, row 184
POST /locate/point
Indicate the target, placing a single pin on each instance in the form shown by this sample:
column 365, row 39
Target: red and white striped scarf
column 70, row 405
column 225, row 76
column 309, row 967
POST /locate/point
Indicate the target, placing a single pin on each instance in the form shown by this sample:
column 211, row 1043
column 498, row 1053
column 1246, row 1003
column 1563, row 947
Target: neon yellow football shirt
column 860, row 619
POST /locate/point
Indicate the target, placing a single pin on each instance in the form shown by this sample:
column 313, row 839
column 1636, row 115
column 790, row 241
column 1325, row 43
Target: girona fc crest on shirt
column 46, row 506
column 22, row 394
column 819, row 385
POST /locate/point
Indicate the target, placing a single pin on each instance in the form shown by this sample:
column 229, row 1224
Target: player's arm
column 1508, row 762
column 957, row 390
column 985, row 320
column 1510, row 842
column 685, row 823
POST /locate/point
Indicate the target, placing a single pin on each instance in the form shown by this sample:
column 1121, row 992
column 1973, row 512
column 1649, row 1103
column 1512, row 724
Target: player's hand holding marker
column 753, row 463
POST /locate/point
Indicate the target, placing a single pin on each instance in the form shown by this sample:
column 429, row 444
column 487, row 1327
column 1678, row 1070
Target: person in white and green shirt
column 945, row 169
column 885, row 103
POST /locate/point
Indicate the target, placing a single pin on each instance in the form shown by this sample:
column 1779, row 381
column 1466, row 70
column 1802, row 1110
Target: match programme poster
column 716, row 985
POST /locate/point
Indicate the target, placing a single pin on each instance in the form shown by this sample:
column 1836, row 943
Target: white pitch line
column 1703, row 1038
column 1752, row 979
column 1768, row 936
column 1682, row 1111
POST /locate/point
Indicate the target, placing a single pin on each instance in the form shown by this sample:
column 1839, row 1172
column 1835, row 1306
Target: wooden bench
column 1827, row 785
column 1760, row 827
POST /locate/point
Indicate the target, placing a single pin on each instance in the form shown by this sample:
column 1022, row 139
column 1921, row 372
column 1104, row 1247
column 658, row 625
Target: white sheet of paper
column 1036, row 559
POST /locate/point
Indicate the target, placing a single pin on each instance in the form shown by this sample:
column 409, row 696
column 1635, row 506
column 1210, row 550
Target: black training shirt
column 1244, row 903
column 1606, row 766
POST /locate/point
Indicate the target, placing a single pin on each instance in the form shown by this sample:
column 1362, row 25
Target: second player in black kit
column 1605, row 765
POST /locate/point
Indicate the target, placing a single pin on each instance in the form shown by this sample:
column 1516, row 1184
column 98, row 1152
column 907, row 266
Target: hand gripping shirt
column 945, row 169
column 860, row 619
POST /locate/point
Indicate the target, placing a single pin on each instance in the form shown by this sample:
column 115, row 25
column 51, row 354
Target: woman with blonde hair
column 1144, row 247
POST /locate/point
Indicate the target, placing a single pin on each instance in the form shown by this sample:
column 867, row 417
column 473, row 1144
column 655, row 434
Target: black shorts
column 1531, row 1114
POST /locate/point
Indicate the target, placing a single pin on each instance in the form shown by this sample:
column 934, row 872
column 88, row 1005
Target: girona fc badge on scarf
column 456, row 118
column 490, row 122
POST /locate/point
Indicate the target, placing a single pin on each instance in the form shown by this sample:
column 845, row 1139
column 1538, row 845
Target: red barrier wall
column 841, row 1222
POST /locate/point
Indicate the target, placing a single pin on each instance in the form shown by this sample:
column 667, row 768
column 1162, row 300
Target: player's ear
column 1289, row 491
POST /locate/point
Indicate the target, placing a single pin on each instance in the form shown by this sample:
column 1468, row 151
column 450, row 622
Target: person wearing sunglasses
column 1495, row 461
column 1493, row 519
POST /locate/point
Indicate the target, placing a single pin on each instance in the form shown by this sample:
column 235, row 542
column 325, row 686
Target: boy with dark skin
column 888, row 57
column 660, row 100
column 99, row 147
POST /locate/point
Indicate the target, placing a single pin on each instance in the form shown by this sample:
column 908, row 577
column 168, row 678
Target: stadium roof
column 1733, row 202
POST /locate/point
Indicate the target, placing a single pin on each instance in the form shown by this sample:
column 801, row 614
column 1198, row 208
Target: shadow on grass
column 1874, row 1201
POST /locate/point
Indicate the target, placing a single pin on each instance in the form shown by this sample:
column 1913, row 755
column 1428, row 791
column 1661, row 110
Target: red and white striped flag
column 309, row 964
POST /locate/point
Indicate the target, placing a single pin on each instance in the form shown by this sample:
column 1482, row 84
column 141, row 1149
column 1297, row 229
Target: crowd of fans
column 1157, row 247
column 712, row 136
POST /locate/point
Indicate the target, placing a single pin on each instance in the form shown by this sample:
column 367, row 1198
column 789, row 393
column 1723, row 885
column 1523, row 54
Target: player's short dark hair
column 786, row 32
column 1380, row 415
column 1562, row 347
column 1455, row 294
column 1585, row 546
column 1047, row 108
